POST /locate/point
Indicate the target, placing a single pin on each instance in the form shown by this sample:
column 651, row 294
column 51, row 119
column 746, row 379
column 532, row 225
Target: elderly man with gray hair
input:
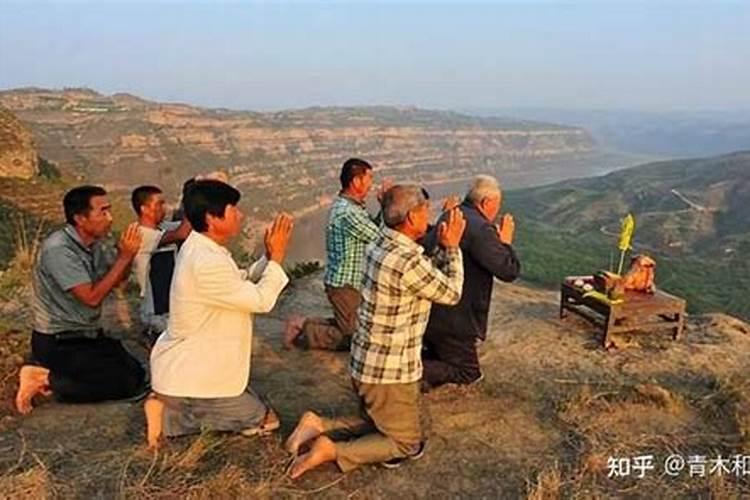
column 453, row 332
column 399, row 286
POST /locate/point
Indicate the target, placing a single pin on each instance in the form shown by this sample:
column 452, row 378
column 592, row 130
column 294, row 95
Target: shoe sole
column 261, row 431
column 419, row 454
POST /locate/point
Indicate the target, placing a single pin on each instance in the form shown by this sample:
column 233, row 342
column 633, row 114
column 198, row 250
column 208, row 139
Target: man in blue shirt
column 350, row 229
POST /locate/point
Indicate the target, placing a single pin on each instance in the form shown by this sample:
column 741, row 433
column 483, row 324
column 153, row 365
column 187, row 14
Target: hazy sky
column 272, row 55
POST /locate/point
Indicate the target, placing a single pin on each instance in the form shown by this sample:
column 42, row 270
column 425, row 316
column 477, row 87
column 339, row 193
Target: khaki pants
column 333, row 334
column 389, row 425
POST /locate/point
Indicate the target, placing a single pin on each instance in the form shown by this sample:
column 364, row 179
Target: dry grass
column 211, row 466
column 630, row 421
column 13, row 346
column 15, row 307
column 190, row 473
column 553, row 408
column 206, row 466
column 548, row 485
column 27, row 241
column 733, row 399
column 32, row 483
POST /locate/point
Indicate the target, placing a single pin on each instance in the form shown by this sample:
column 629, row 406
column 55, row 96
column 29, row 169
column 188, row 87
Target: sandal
column 269, row 424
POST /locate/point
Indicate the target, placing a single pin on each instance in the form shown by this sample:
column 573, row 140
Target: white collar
column 204, row 241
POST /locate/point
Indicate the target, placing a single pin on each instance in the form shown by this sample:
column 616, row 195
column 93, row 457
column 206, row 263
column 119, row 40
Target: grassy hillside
column 28, row 209
column 702, row 245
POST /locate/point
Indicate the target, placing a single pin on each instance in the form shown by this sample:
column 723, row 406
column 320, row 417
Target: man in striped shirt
column 350, row 229
column 399, row 286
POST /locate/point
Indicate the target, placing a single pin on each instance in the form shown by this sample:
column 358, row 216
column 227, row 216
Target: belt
column 78, row 334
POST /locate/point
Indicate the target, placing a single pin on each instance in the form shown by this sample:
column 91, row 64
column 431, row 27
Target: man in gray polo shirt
column 72, row 359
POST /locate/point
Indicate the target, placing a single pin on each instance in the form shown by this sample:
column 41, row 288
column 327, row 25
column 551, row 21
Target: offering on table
column 609, row 284
column 581, row 282
column 640, row 276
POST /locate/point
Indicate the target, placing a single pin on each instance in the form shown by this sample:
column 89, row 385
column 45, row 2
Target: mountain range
column 659, row 134
column 288, row 159
column 692, row 215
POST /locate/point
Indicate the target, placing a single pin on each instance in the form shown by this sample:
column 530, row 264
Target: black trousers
column 449, row 359
column 87, row 370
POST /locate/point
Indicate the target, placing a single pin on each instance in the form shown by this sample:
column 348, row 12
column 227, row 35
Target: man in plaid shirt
column 399, row 286
column 350, row 229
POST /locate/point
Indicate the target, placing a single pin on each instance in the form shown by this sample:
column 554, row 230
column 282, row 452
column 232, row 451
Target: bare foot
column 32, row 380
column 292, row 329
column 323, row 450
column 309, row 427
column 154, row 410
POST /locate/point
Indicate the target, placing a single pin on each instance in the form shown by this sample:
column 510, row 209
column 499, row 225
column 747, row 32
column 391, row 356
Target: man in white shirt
column 157, row 235
column 200, row 366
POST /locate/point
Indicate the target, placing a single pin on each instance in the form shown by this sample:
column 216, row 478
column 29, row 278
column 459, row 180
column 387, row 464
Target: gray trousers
column 194, row 415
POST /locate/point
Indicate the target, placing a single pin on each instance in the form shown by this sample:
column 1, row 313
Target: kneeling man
column 72, row 358
column 399, row 286
column 453, row 332
column 200, row 366
column 158, row 237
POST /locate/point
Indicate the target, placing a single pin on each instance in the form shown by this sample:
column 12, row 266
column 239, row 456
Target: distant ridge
column 288, row 158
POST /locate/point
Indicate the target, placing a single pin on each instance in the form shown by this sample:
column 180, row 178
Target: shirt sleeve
column 149, row 241
column 65, row 267
column 429, row 240
column 169, row 225
column 360, row 226
column 221, row 285
column 493, row 255
column 257, row 268
column 426, row 280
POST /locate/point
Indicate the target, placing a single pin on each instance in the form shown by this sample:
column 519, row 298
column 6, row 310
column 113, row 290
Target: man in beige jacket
column 200, row 366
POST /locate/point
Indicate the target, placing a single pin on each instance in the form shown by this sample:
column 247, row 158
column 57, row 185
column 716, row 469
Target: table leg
column 563, row 303
column 678, row 330
column 609, row 322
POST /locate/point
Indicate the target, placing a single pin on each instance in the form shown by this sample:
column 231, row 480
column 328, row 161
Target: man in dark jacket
column 453, row 332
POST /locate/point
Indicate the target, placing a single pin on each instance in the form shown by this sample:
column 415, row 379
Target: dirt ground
column 552, row 409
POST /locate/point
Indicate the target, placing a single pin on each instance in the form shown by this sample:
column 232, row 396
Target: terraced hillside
column 287, row 159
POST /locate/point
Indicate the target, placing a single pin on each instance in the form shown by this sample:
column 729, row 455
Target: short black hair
column 352, row 168
column 187, row 185
column 141, row 195
column 77, row 201
column 208, row 197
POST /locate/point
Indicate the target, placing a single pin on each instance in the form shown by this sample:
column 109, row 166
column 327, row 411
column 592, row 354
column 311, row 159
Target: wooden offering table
column 638, row 311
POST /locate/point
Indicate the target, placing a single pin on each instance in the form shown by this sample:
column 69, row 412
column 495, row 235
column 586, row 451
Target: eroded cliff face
column 289, row 159
column 18, row 158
